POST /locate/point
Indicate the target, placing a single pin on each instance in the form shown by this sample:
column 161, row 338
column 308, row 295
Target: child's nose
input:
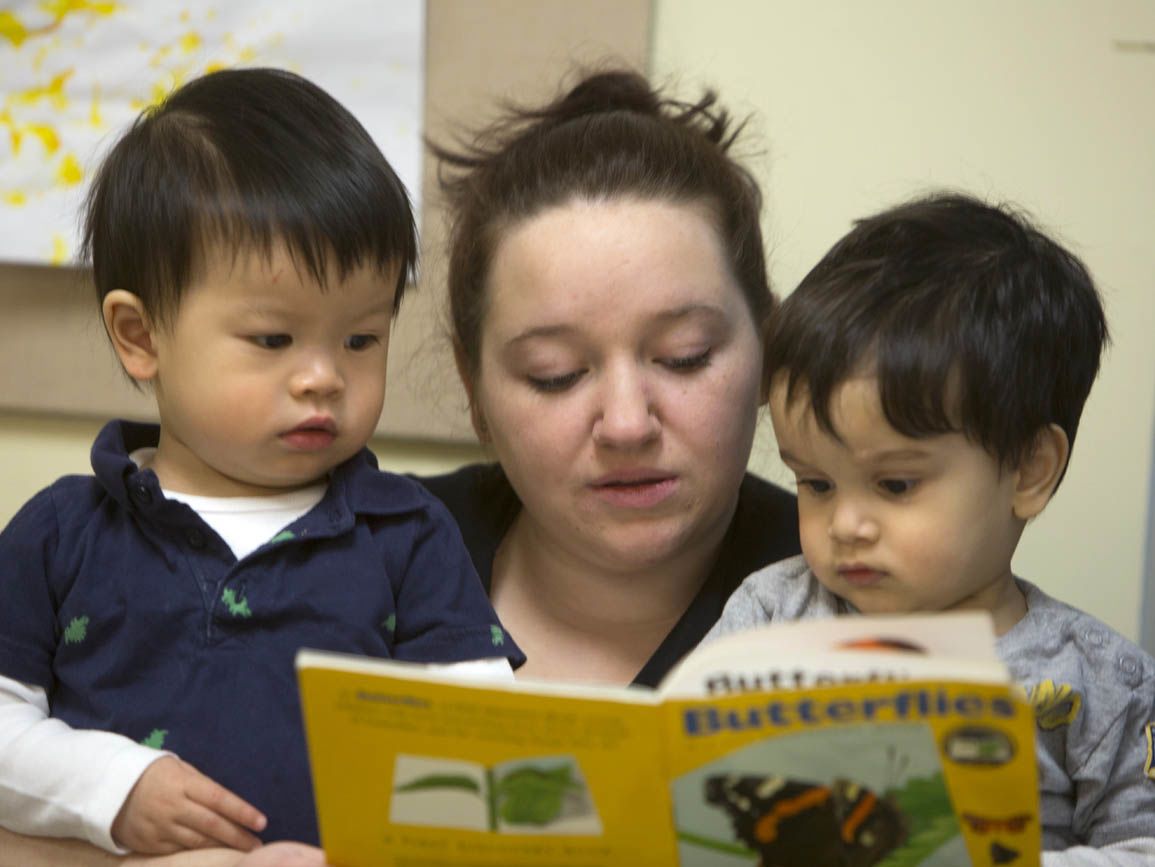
column 317, row 374
column 626, row 415
column 850, row 523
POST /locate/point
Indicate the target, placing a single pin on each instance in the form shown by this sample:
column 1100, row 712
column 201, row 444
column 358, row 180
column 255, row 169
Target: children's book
column 849, row 742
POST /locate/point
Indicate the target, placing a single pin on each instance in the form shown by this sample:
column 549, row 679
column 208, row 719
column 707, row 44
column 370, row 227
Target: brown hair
column 611, row 136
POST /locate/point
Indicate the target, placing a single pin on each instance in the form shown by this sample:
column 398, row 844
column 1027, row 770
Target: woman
column 608, row 295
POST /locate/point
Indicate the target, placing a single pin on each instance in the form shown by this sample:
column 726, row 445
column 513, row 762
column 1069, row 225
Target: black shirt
column 763, row 531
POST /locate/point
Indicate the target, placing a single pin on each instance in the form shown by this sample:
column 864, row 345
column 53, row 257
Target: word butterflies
column 799, row 824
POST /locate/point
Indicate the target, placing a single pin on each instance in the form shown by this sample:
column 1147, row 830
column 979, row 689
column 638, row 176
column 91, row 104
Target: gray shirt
column 1093, row 692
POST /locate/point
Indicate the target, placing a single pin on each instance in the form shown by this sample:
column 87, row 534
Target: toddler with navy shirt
column 250, row 245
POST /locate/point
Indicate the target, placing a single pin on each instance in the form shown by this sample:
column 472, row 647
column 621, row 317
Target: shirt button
column 196, row 538
column 1094, row 636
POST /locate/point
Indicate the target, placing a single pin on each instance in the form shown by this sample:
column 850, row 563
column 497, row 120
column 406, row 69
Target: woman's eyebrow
column 664, row 316
column 687, row 310
column 540, row 331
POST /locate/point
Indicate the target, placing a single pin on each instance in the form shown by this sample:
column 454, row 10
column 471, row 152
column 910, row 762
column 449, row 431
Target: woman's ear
column 765, row 383
column 1039, row 473
column 131, row 332
column 465, row 375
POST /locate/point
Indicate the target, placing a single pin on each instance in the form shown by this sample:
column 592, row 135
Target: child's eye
column 816, row 486
column 687, row 363
column 359, row 342
column 898, row 487
column 550, row 384
column 271, row 341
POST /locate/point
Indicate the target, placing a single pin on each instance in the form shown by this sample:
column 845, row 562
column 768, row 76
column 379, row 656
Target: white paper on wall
column 75, row 73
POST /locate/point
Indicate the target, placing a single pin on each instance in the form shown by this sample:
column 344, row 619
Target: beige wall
column 858, row 104
column 1046, row 104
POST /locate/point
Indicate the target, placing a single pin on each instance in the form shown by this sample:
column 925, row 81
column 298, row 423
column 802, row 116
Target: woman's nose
column 627, row 414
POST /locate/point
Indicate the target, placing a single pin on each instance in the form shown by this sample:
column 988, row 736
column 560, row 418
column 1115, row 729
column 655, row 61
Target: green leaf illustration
column 497, row 636
column 442, row 781
column 534, row 795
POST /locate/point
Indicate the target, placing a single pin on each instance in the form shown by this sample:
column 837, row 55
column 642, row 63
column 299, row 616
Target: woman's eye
column 687, row 363
column 898, row 487
column 816, row 486
column 271, row 341
column 549, row 384
column 358, row 342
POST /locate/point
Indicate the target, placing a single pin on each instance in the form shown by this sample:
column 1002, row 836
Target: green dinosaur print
column 497, row 635
column 155, row 739
column 237, row 607
column 283, row 536
column 390, row 622
column 77, row 630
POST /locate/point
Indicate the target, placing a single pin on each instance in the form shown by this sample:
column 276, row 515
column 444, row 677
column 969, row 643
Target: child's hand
column 173, row 806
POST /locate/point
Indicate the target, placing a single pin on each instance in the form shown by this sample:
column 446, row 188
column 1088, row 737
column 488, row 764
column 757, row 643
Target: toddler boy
column 926, row 381
column 250, row 245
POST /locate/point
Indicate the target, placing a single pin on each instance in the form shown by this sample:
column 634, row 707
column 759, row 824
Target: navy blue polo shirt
column 136, row 618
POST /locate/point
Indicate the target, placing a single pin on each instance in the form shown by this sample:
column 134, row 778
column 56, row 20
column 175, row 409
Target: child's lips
column 858, row 575
column 312, row 435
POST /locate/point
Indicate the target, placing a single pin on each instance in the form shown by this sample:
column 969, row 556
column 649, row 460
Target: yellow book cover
column 850, row 743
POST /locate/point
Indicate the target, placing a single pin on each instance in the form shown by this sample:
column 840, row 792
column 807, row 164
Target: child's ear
column 131, row 332
column 1037, row 476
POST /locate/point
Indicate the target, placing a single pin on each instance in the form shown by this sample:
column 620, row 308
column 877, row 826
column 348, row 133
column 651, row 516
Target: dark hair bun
column 603, row 92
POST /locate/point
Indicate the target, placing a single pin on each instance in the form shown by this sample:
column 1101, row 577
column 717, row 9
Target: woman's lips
column 635, row 492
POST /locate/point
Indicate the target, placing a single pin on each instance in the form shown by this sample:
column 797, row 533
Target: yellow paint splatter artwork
column 75, row 73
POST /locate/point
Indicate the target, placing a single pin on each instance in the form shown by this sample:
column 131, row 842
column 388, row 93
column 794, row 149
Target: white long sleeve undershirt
column 56, row 781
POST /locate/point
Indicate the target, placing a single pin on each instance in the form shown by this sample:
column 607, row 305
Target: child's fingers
column 200, row 827
column 220, row 801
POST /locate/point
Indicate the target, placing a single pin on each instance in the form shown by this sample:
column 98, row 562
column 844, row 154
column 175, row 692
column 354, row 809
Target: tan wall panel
column 53, row 351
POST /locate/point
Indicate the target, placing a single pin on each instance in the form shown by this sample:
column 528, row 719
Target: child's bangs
column 329, row 230
column 921, row 386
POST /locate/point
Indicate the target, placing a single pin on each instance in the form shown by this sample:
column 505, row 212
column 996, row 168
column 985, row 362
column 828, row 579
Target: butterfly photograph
column 867, row 797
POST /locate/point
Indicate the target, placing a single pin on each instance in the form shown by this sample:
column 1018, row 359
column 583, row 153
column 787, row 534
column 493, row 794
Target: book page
column 886, row 773
column 412, row 766
column 857, row 649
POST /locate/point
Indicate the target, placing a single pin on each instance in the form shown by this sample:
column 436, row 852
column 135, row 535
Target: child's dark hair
column 971, row 319
column 236, row 159
column 612, row 136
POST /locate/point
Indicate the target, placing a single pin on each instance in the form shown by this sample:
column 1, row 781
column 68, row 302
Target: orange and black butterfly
column 791, row 823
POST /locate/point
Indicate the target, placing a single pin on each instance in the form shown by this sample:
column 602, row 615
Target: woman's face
column 618, row 381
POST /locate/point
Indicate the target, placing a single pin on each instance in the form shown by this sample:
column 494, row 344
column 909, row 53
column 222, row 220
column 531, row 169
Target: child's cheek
column 248, row 398
column 814, row 538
